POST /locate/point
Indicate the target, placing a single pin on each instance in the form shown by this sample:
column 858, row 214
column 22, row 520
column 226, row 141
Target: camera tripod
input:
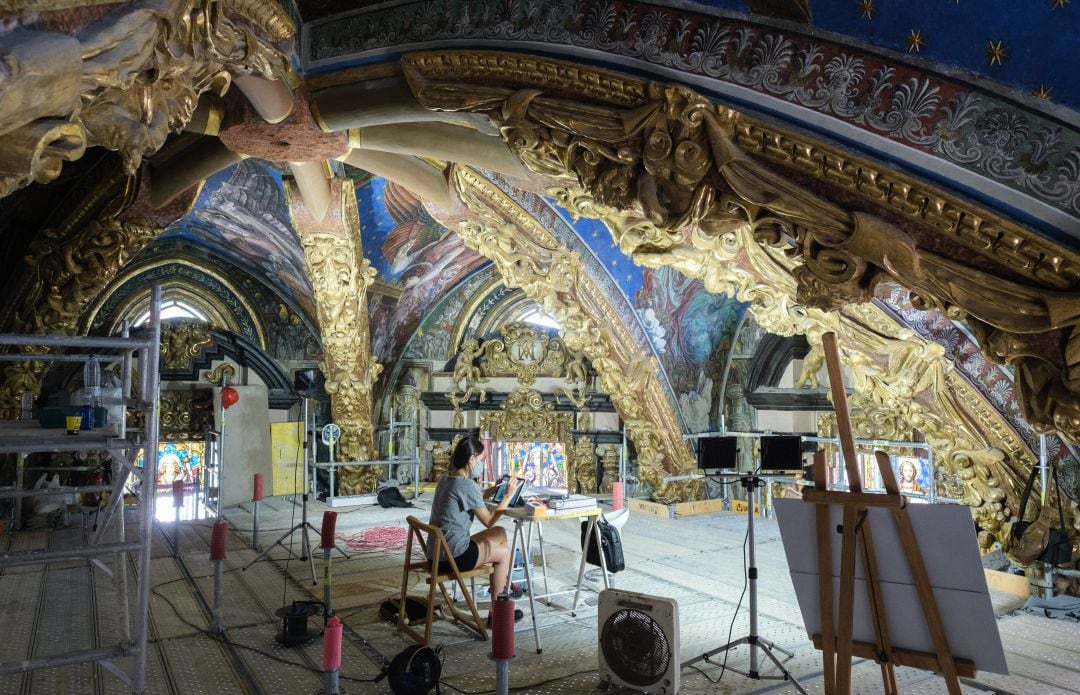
column 756, row 642
column 304, row 526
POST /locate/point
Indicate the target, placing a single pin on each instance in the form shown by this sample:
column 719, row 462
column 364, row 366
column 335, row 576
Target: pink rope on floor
column 377, row 538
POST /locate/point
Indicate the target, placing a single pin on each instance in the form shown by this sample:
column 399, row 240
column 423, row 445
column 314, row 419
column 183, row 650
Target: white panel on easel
column 947, row 541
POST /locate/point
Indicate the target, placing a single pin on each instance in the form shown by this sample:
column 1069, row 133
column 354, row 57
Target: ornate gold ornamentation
column 672, row 179
column 465, row 379
column 529, row 257
column 524, row 353
column 609, row 460
column 128, row 80
column 672, row 176
column 218, row 376
column 182, row 342
column 340, row 276
column 186, row 414
column 584, row 456
column 66, row 270
column 524, row 416
column 440, row 460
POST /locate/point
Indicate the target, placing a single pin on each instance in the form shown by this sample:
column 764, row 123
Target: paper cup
column 74, row 422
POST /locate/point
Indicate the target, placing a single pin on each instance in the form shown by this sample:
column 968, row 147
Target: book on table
column 571, row 502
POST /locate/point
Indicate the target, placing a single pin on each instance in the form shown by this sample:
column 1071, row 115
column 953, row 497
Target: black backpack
column 611, row 543
column 391, row 497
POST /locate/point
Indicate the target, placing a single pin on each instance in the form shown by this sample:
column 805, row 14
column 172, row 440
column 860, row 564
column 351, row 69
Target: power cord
column 731, row 627
column 517, row 687
column 226, row 640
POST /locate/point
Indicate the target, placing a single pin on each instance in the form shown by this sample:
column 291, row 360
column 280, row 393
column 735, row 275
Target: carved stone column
column 340, row 276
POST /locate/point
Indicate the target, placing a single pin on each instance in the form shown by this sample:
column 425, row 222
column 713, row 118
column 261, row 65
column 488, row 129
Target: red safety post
column 332, row 655
column 256, row 496
column 326, row 542
column 218, row 541
column 502, row 641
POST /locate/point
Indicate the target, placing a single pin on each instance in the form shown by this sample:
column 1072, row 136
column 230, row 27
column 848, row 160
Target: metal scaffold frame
column 122, row 449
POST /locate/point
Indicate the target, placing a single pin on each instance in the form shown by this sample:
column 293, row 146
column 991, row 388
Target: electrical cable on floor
column 517, row 687
column 231, row 643
column 731, row 627
column 292, row 516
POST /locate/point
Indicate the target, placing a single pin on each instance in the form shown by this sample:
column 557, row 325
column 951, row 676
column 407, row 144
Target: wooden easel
column 836, row 641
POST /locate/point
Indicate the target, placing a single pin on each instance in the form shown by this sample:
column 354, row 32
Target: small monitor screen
column 501, row 492
column 717, row 452
column 781, row 453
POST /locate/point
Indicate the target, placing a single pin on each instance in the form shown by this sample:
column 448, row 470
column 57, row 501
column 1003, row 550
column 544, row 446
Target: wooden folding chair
column 433, row 555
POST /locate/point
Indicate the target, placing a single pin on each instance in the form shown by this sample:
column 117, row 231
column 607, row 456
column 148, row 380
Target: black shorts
column 465, row 562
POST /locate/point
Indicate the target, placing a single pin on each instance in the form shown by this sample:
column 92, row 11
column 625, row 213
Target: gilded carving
column 609, row 461
column 671, row 176
column 524, row 353
column 528, row 257
column 525, row 416
column 128, row 80
column 440, row 460
column 465, row 378
column 584, row 455
column 66, row 270
column 340, row 276
column 220, row 375
column 183, row 341
column 186, row 414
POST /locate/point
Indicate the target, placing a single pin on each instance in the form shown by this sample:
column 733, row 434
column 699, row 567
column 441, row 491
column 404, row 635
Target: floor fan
column 639, row 641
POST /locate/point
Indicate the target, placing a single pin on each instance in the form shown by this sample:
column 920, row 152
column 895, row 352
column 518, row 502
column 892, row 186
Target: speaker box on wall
column 781, row 453
column 717, row 452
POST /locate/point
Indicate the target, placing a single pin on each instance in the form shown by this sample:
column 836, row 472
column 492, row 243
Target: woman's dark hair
column 467, row 448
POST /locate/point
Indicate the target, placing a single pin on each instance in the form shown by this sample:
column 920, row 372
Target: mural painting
column 414, row 252
column 693, row 332
column 242, row 216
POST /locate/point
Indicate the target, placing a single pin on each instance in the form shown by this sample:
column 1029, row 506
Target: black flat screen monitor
column 717, row 452
column 781, row 453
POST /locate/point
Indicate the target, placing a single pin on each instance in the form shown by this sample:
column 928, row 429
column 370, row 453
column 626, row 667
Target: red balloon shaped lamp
column 229, row 397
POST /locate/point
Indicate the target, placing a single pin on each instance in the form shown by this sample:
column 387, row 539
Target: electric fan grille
column 635, row 647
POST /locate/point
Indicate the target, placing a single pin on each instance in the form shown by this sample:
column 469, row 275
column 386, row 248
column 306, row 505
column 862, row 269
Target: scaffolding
column 121, row 445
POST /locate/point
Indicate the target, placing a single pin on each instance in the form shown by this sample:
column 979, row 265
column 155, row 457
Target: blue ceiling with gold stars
column 1030, row 45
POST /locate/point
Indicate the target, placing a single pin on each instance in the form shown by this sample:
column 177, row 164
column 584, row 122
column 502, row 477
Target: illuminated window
column 172, row 309
column 537, row 317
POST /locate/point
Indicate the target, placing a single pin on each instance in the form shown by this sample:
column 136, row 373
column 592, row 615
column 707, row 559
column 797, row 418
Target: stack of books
column 571, row 503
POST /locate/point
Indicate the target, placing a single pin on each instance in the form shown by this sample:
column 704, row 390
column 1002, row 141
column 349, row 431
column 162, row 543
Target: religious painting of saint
column 913, row 478
column 541, row 464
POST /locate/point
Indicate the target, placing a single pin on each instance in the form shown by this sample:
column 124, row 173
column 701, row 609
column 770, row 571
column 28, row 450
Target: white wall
column 246, row 442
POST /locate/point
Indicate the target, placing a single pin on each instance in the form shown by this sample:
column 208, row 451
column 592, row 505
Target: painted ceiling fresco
column 694, row 332
column 241, row 215
column 409, row 249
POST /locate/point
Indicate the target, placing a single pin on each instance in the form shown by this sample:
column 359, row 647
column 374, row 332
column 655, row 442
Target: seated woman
column 458, row 501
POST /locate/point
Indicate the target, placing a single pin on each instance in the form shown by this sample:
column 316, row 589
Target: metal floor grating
column 696, row 560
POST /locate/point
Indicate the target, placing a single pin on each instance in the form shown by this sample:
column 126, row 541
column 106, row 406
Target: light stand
column 304, row 526
column 756, row 642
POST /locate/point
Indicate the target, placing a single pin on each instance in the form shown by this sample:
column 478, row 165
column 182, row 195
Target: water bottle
column 27, row 405
column 91, row 390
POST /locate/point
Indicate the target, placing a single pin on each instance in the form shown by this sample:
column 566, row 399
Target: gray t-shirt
column 455, row 497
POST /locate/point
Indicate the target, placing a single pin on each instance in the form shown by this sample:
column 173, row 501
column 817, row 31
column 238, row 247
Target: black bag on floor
column 611, row 543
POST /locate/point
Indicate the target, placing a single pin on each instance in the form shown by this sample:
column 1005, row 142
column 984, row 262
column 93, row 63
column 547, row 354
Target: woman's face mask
column 477, row 468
